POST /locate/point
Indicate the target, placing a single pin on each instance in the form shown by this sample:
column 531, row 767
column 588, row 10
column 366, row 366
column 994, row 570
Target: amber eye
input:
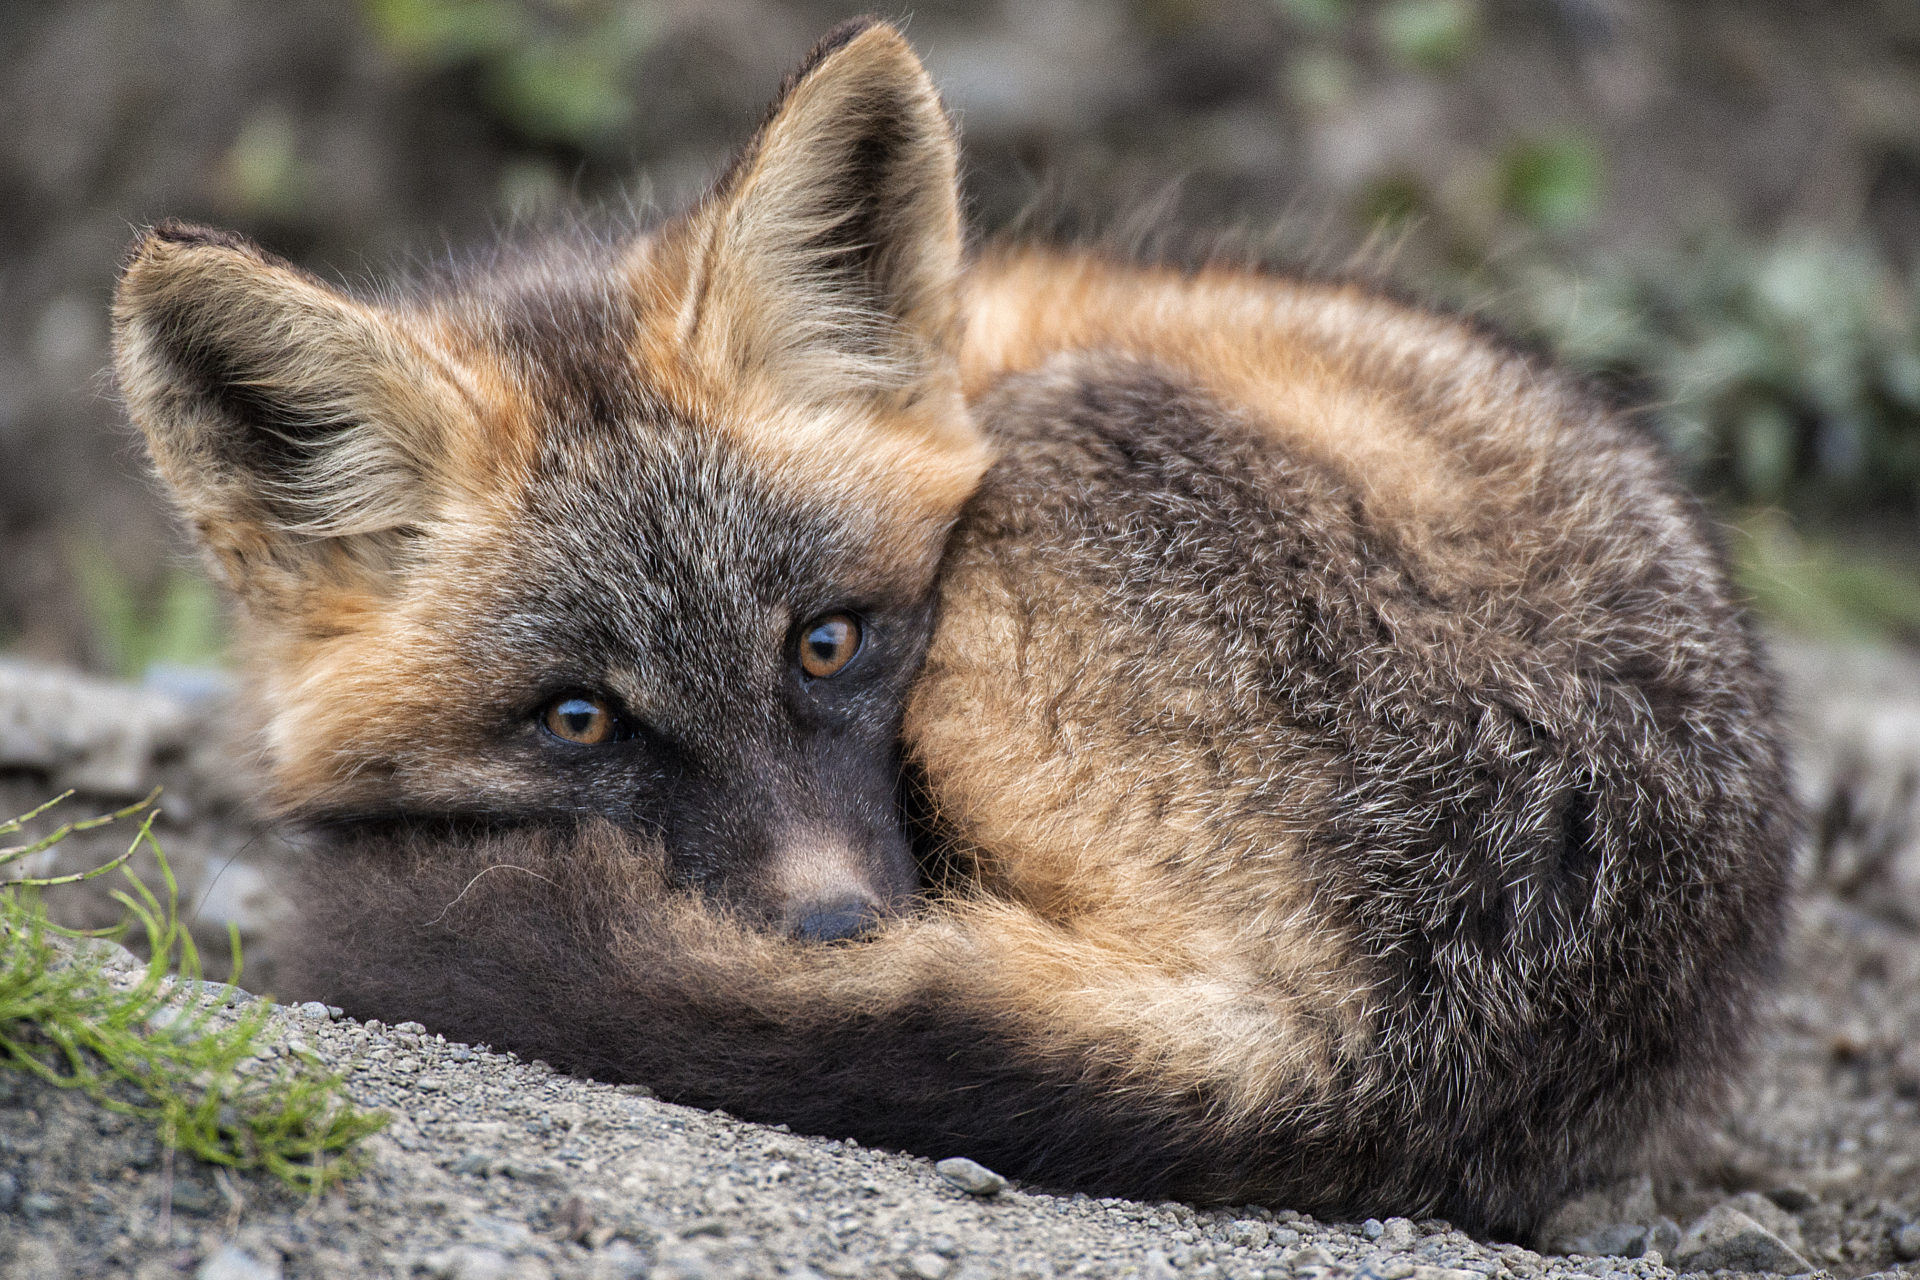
column 828, row 644
column 586, row 721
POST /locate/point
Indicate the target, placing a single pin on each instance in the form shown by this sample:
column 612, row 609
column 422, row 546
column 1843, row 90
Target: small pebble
column 1250, row 1234
column 471, row 1162
column 928, row 1265
column 230, row 1262
column 467, row 1262
column 1906, row 1242
column 314, row 1011
column 1373, row 1228
column 1157, row 1266
column 1313, row 1257
column 971, row 1176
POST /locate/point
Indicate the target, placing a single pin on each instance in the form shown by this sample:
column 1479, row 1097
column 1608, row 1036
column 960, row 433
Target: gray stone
column 1612, row 1221
column 1157, row 1266
column 242, row 895
column 1398, row 1233
column 93, row 736
column 1906, row 1242
column 928, row 1265
column 108, row 954
column 467, row 1262
column 1312, row 1258
column 1764, row 1211
column 1725, row 1239
column 621, row 1261
column 1793, row 1198
column 683, row 1261
column 231, row 1262
column 971, row 1176
column 1250, row 1233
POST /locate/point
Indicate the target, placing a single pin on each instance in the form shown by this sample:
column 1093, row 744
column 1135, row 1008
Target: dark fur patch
column 573, row 946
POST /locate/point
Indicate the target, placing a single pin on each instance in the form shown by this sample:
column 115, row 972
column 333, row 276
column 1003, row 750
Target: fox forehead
column 657, row 537
column 587, row 403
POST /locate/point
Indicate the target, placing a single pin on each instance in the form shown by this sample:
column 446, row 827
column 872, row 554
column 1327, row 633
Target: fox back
column 1159, row 732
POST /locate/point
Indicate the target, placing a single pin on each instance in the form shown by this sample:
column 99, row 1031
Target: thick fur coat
column 1294, row 747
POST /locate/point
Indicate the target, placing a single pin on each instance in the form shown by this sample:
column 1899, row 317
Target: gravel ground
column 494, row 1167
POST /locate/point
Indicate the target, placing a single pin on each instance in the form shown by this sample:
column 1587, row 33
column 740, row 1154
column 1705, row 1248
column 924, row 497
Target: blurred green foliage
column 262, row 174
column 178, row 620
column 1784, row 372
column 1824, row 588
column 1785, row 376
column 1433, row 35
column 1316, row 15
column 553, row 70
column 1552, row 183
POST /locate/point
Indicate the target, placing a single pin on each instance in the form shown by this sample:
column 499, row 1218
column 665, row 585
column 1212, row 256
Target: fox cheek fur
column 1350, row 776
column 628, row 472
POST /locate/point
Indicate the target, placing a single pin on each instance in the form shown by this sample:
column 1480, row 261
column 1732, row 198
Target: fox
column 1160, row 730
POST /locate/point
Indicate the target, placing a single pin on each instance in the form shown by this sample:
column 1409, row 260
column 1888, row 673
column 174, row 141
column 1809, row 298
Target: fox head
column 641, row 529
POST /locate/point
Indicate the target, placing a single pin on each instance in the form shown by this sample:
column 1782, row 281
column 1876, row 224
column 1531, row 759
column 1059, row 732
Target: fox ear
column 831, row 252
column 300, row 430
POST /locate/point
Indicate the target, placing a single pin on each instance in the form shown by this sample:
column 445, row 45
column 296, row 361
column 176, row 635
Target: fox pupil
column 829, row 645
column 587, row 721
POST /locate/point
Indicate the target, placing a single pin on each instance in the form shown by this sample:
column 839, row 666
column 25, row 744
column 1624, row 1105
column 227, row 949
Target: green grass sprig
column 152, row 1043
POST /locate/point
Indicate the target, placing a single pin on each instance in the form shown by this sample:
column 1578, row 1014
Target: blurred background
column 1712, row 205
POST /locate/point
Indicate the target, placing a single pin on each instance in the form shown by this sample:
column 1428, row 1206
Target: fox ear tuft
column 830, row 255
column 293, row 423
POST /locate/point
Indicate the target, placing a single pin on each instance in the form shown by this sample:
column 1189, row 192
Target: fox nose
column 837, row 921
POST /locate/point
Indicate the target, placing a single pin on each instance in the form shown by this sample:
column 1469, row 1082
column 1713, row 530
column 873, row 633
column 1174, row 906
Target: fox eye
column 828, row 643
column 582, row 720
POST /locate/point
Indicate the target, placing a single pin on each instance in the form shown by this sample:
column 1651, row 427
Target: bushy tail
column 973, row 1028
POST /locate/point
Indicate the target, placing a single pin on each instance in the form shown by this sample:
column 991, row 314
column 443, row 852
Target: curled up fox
column 1161, row 732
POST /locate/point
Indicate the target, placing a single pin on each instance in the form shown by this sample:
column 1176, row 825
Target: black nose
column 833, row 921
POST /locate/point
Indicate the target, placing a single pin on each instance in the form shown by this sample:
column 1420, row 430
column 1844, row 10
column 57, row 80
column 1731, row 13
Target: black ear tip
column 842, row 36
column 158, row 241
column 846, row 33
column 174, row 231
